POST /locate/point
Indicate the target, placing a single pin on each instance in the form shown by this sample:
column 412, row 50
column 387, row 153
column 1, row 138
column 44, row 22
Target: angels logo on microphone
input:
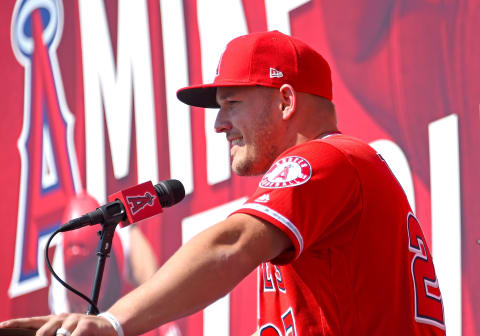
column 137, row 203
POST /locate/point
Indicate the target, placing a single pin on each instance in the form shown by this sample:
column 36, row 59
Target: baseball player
column 338, row 248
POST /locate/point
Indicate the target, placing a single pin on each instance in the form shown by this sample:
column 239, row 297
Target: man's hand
column 76, row 324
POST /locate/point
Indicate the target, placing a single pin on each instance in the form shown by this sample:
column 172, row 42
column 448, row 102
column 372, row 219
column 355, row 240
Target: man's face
column 250, row 119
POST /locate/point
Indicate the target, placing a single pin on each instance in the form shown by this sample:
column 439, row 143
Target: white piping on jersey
column 279, row 217
column 329, row 135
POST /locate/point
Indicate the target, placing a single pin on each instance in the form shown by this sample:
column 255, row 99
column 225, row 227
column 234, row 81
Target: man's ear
column 288, row 101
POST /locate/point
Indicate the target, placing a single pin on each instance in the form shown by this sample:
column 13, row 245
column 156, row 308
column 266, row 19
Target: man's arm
column 201, row 271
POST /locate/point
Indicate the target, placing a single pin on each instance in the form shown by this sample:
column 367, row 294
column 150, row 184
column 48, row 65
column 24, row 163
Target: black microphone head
column 169, row 192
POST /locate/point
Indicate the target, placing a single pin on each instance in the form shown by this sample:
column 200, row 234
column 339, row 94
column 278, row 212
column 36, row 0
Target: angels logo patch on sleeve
column 289, row 171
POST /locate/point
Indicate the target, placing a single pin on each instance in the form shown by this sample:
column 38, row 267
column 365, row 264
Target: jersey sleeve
column 313, row 194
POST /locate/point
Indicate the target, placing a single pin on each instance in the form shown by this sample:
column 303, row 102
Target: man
column 339, row 249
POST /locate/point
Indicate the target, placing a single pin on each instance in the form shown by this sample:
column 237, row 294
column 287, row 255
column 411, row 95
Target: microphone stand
column 112, row 215
column 103, row 252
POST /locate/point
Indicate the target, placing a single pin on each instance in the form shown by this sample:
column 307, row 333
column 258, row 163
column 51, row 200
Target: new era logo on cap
column 274, row 73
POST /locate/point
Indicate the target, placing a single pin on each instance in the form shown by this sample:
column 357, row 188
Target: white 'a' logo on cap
column 219, row 64
column 274, row 73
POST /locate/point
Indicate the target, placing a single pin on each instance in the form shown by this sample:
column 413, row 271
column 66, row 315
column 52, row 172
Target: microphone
column 131, row 205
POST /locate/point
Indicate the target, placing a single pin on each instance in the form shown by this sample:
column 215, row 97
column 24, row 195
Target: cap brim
column 205, row 95
column 199, row 95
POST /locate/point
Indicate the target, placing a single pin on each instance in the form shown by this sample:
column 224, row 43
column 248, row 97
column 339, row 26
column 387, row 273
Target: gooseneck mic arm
column 110, row 212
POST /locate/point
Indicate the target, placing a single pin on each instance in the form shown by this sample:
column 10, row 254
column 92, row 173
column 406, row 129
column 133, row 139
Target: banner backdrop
column 89, row 107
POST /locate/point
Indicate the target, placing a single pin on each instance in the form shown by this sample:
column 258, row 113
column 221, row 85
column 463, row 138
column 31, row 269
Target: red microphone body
column 133, row 204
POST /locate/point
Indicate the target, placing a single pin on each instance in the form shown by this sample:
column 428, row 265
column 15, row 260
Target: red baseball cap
column 268, row 59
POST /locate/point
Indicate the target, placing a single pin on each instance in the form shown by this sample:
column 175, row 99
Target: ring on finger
column 63, row 331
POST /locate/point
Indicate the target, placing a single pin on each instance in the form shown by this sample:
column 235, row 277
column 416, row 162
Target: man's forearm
column 200, row 272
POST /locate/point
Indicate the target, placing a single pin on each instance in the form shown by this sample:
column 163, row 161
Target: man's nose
column 222, row 124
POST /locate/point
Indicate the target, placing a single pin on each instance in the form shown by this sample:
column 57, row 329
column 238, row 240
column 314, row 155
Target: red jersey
column 359, row 264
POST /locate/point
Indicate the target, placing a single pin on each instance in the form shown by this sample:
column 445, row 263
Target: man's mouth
column 237, row 141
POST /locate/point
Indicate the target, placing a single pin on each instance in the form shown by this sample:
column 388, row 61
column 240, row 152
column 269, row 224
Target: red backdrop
column 398, row 66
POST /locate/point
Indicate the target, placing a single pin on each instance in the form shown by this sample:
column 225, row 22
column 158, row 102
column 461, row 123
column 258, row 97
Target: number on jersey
column 428, row 300
column 288, row 321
